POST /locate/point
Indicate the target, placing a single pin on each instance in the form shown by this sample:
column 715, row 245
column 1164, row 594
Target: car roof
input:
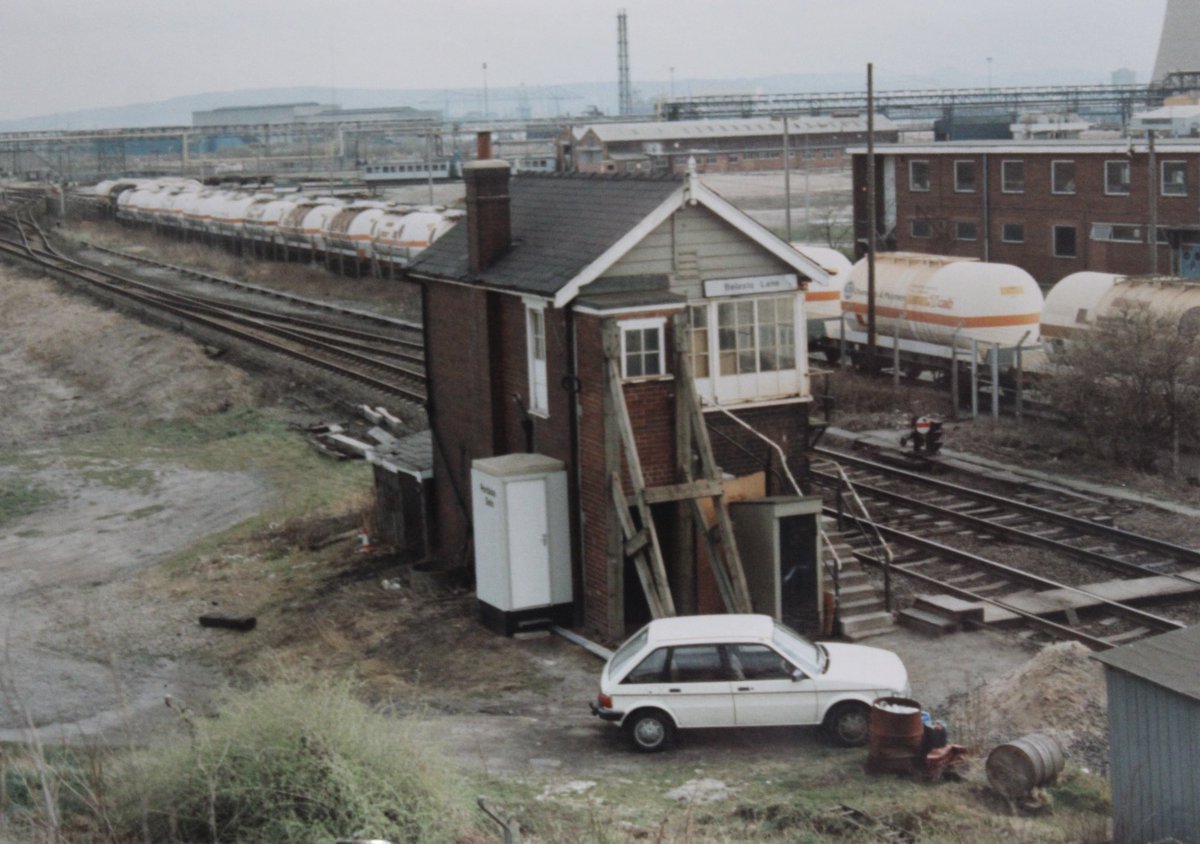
column 730, row 626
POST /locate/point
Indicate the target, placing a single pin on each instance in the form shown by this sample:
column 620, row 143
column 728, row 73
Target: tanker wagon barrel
column 938, row 308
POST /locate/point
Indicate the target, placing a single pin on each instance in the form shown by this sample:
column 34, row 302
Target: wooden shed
column 1154, row 744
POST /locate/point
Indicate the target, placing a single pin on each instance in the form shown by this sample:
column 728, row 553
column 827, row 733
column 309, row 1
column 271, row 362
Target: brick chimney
column 489, row 223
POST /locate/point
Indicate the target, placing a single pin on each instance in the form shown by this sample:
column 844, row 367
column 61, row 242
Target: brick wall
column 1037, row 208
column 460, row 387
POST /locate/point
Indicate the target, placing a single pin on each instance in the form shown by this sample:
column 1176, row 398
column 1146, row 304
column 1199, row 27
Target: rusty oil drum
column 896, row 733
column 1016, row 768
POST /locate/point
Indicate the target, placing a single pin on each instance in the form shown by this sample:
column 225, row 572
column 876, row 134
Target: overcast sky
column 64, row 55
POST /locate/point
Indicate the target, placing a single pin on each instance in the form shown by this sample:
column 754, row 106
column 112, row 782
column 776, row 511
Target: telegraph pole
column 872, row 362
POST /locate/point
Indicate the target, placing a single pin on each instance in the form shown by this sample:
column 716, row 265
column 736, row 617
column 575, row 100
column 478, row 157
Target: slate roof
column 1171, row 660
column 560, row 224
column 412, row 455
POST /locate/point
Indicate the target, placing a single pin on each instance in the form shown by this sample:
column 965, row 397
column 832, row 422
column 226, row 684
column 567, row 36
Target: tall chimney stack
column 489, row 219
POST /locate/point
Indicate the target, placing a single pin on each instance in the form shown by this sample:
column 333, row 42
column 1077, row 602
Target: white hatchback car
column 741, row 671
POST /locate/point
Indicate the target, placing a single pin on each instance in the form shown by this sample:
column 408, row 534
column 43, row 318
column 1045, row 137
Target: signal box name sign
column 751, row 285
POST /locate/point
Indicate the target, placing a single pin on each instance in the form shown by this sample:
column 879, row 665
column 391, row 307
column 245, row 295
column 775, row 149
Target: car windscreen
column 621, row 658
column 801, row 651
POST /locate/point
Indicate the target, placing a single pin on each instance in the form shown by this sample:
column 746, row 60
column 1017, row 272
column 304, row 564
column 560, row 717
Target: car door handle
column 674, row 690
column 745, row 688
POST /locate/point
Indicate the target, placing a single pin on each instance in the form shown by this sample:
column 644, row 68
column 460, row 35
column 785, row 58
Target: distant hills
column 523, row 101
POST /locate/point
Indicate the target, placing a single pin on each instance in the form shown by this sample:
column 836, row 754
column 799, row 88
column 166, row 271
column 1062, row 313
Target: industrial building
column 717, row 145
column 590, row 334
column 1050, row 207
column 1154, row 736
column 282, row 114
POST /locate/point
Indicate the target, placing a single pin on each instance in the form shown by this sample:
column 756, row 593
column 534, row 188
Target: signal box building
column 1050, row 207
column 641, row 333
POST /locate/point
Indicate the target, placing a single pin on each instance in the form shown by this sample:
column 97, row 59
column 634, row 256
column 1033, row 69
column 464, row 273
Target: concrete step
column 855, row 627
column 861, row 605
column 926, row 622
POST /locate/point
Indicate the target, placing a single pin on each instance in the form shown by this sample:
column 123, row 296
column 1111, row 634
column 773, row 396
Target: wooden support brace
column 649, row 587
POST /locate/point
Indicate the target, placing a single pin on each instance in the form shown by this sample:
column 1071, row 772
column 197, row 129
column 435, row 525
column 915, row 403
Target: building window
column 965, row 231
column 1064, row 242
column 964, row 176
column 918, row 176
column 1174, row 178
column 744, row 348
column 1117, row 233
column 1012, row 176
column 698, row 327
column 1062, row 177
column 756, row 335
column 535, row 335
column 1116, row 178
column 642, row 348
column 1013, row 233
column 922, row 228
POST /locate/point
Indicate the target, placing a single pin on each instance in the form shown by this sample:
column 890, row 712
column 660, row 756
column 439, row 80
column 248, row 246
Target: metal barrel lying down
column 895, row 737
column 1016, row 768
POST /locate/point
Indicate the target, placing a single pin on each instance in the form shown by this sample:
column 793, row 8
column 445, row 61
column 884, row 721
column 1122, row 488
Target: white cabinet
column 522, row 541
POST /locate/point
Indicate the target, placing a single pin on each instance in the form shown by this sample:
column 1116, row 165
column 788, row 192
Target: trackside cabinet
column 779, row 542
column 522, row 541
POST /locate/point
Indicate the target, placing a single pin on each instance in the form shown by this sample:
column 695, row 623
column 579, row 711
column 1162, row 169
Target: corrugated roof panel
column 1171, row 660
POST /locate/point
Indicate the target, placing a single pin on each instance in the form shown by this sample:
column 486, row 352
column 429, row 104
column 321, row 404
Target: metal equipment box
column 522, row 541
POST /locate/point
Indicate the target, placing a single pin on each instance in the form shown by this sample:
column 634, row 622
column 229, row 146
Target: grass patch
column 292, row 761
column 19, row 498
column 792, row 803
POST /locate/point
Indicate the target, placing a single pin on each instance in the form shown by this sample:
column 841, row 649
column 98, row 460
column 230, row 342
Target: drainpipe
column 987, row 213
column 576, row 515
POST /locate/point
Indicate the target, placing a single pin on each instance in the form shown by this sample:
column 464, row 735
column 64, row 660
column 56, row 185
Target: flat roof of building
column 1053, row 146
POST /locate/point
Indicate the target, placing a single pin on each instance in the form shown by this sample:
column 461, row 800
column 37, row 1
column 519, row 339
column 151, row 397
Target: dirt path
column 85, row 651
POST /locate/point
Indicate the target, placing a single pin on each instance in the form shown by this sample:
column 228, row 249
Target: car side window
column 697, row 664
column 652, row 669
column 758, row 662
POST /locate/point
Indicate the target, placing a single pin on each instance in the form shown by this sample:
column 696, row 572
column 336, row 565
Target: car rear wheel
column 650, row 730
column 849, row 723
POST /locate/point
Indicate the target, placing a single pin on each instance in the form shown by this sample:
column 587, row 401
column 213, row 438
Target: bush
column 291, row 762
column 1131, row 384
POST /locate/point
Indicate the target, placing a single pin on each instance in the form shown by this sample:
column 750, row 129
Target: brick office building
column 1049, row 207
column 567, row 312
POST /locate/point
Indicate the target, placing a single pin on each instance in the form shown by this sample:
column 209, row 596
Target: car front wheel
column 849, row 723
column 650, row 730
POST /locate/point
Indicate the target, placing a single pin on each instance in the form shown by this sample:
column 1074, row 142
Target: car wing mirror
column 798, row 675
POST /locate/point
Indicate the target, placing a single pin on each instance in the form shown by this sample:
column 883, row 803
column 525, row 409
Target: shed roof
column 568, row 230
column 412, row 455
column 1171, row 660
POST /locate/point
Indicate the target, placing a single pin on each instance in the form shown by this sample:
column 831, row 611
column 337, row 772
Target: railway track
column 388, row 359
column 1027, row 556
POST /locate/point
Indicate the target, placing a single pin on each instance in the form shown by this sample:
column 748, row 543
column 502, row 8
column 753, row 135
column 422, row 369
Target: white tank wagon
column 823, row 299
column 938, row 308
column 301, row 228
column 361, row 234
column 1072, row 305
column 229, row 215
column 350, row 231
column 261, row 228
column 401, row 234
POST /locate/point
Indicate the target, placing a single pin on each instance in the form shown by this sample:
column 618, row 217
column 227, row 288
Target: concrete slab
column 1124, row 591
